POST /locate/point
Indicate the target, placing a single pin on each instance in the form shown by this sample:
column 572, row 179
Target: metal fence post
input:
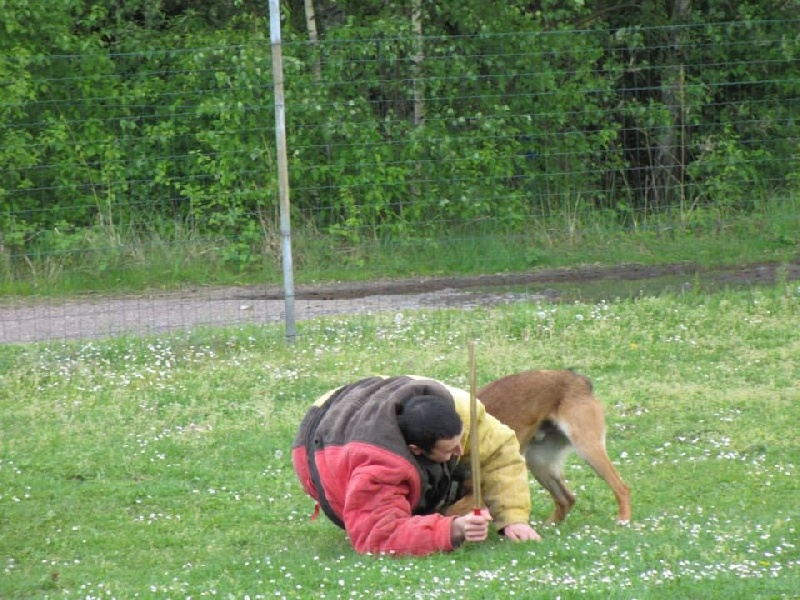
column 283, row 169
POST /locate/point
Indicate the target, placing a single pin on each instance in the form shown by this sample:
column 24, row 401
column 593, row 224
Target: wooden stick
column 474, row 440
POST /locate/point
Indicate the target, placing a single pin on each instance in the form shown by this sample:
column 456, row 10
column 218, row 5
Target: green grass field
column 160, row 468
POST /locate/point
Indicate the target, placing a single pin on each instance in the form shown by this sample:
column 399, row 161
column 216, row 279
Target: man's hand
column 470, row 528
column 520, row 532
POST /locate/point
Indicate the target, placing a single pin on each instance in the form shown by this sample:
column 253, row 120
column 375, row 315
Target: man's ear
column 415, row 450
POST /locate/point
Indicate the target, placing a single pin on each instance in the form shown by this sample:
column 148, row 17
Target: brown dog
column 553, row 412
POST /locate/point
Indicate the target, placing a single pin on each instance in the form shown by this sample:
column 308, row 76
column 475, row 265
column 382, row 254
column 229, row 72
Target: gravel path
column 103, row 316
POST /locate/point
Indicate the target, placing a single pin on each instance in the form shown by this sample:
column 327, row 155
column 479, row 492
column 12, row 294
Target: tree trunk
column 417, row 60
column 311, row 25
column 671, row 144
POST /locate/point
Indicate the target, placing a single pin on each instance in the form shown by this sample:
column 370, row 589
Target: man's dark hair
column 426, row 419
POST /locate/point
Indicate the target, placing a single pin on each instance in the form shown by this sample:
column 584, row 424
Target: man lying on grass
column 385, row 457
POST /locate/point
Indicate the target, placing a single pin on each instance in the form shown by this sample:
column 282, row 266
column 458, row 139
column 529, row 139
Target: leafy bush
column 127, row 120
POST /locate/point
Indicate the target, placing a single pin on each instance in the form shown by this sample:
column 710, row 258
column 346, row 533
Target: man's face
column 445, row 449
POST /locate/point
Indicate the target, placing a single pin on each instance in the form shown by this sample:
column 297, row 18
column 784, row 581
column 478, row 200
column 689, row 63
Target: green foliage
column 728, row 173
column 122, row 121
column 175, row 132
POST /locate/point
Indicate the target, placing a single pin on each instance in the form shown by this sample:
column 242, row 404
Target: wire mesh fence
column 162, row 160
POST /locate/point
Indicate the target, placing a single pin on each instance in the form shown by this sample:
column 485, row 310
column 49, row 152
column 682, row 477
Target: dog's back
column 524, row 401
column 553, row 412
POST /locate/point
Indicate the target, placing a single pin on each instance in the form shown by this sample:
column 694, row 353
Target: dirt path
column 95, row 317
column 758, row 273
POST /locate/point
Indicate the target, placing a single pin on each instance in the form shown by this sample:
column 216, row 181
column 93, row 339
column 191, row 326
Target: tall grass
column 159, row 467
column 170, row 255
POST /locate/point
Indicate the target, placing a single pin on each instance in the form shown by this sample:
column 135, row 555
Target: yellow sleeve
column 504, row 475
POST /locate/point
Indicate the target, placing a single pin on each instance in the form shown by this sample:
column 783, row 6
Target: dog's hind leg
column 545, row 456
column 584, row 424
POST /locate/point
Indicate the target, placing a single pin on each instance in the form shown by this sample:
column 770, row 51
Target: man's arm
column 504, row 475
column 379, row 498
